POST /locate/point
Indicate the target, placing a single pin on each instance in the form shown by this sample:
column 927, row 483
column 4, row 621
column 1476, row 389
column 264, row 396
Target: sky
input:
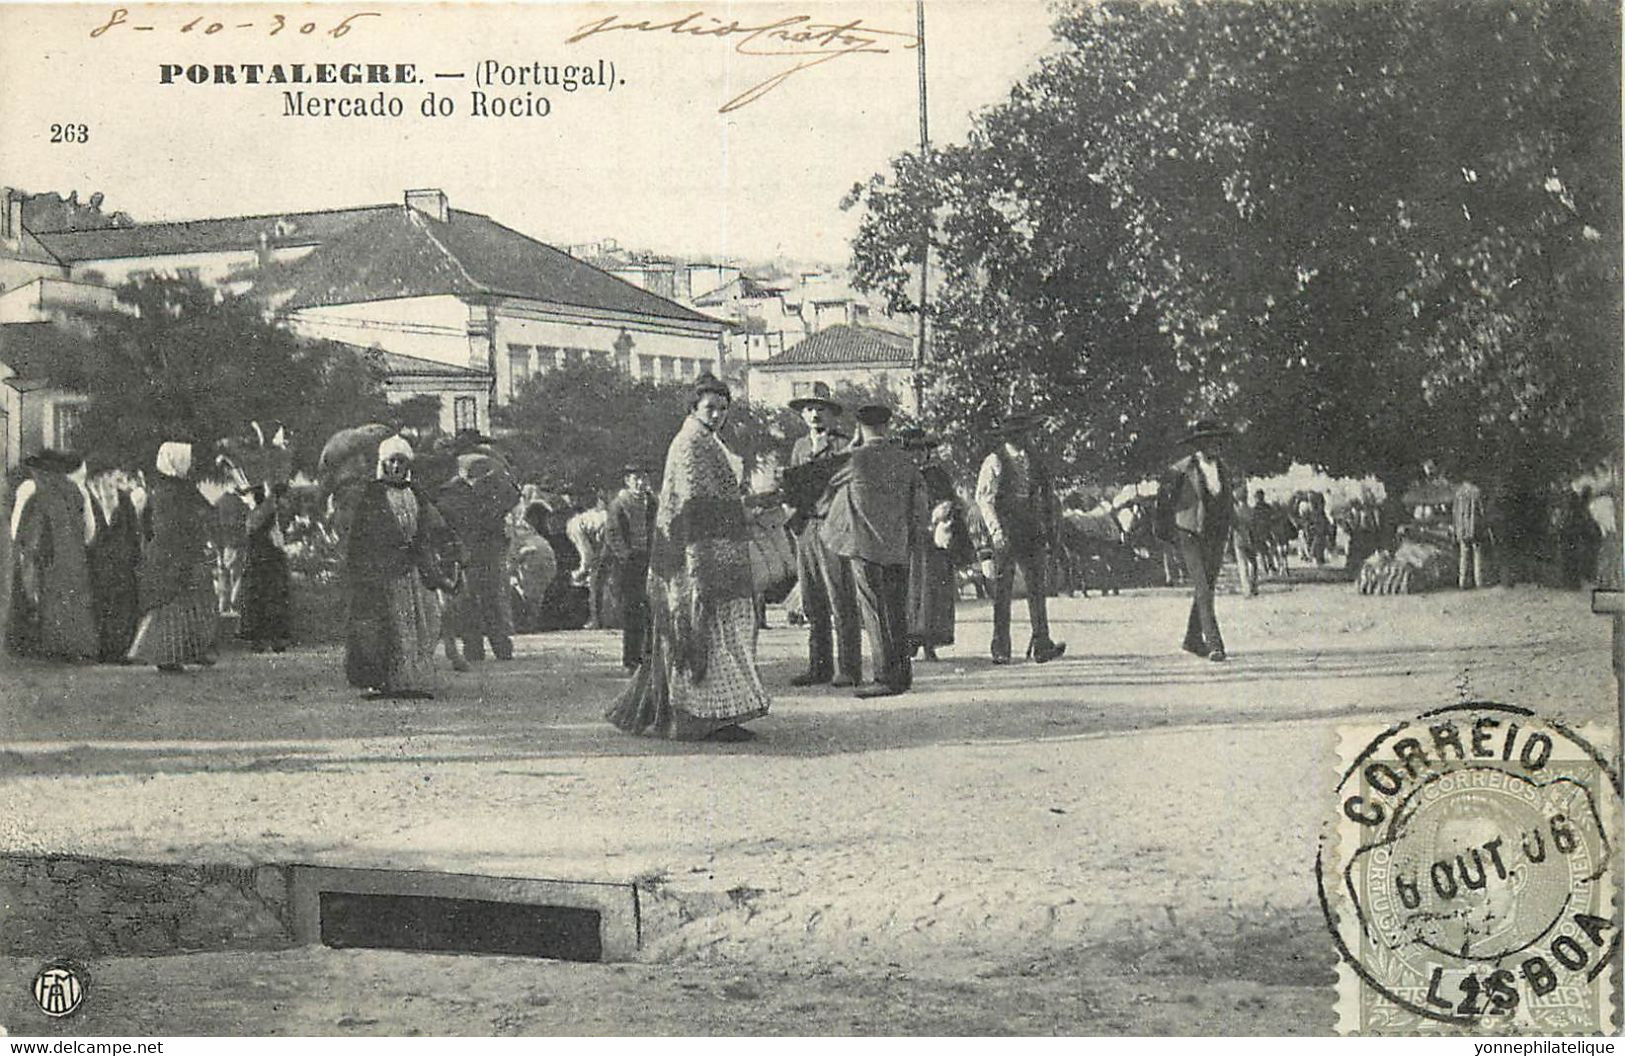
column 659, row 160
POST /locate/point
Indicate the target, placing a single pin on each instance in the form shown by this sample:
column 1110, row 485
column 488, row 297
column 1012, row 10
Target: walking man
column 627, row 537
column 828, row 595
column 878, row 518
column 1194, row 505
column 1017, row 503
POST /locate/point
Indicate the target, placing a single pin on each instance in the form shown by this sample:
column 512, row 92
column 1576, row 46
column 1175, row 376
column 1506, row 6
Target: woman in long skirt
column 264, row 597
column 933, row 582
column 699, row 680
column 115, row 558
column 179, row 618
column 397, row 555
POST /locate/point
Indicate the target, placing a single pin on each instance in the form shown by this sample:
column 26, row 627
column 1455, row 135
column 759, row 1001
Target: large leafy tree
column 184, row 363
column 1371, row 233
column 578, row 426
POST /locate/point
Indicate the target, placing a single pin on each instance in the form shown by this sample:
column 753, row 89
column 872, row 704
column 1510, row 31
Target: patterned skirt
column 183, row 631
column 664, row 701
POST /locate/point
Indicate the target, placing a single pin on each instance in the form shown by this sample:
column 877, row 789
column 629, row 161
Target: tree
column 576, row 427
column 1371, row 234
column 184, row 363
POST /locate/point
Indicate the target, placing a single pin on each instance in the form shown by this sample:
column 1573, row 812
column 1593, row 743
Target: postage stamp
column 1470, row 876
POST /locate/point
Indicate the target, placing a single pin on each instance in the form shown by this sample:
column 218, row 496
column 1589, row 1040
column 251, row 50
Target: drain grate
column 464, row 913
column 459, row 925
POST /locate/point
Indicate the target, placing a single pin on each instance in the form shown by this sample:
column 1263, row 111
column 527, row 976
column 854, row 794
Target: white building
column 859, row 355
column 483, row 305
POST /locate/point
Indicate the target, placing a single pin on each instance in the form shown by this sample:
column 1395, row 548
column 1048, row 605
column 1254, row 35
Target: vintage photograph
column 1030, row 517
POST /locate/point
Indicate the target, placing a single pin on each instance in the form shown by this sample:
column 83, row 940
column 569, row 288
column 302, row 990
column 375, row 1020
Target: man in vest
column 628, row 535
column 1194, row 502
column 1017, row 503
column 829, row 597
column 878, row 519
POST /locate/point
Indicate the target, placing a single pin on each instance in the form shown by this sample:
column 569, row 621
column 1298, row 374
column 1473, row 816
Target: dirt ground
column 1119, row 842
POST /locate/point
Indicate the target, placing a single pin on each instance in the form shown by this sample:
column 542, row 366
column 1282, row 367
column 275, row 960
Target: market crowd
column 864, row 526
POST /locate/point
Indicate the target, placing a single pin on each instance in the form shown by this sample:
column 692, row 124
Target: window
column 646, row 367
column 666, row 371
column 65, row 421
column 465, row 413
column 519, row 368
column 688, row 368
column 575, row 355
column 548, row 357
column 798, row 389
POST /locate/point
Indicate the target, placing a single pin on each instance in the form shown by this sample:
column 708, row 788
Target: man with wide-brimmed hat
column 475, row 503
column 877, row 523
column 628, row 536
column 1194, row 507
column 1017, row 502
column 829, row 597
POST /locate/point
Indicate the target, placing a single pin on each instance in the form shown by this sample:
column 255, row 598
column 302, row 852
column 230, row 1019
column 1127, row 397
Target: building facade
column 461, row 307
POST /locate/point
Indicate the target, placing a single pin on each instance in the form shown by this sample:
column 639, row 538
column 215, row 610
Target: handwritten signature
column 795, row 36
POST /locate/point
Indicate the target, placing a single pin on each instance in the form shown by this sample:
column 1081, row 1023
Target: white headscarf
column 395, row 445
column 175, row 459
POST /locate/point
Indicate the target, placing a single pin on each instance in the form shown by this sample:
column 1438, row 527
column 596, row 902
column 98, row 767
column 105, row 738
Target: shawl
column 699, row 555
column 176, row 562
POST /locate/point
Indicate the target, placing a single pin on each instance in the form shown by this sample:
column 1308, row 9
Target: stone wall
column 74, row 907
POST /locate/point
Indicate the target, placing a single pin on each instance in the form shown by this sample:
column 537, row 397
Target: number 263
column 70, row 133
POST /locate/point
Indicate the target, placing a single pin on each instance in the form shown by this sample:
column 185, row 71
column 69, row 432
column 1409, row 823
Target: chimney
column 430, row 202
column 11, row 225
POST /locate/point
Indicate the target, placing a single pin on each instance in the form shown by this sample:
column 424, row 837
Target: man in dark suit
column 1193, row 511
column 878, row 516
column 828, row 595
column 628, row 535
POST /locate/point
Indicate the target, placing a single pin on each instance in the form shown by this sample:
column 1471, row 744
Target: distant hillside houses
column 458, row 305
column 767, row 312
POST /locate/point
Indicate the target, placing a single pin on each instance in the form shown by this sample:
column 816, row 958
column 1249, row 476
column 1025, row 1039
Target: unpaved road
column 1120, row 842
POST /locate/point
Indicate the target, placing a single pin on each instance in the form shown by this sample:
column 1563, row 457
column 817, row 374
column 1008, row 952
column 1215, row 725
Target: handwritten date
column 208, row 26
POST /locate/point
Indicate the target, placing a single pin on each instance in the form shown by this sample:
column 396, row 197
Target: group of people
column 879, row 538
column 143, row 574
column 120, row 571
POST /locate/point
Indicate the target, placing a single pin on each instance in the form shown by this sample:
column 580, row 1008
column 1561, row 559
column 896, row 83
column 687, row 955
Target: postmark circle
column 1468, row 877
column 59, row 989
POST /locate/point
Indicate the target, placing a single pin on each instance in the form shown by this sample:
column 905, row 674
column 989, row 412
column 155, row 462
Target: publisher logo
column 58, row 990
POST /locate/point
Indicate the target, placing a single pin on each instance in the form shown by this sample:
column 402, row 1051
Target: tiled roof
column 400, row 252
column 743, row 287
column 206, row 236
column 31, row 249
column 397, row 365
column 846, row 345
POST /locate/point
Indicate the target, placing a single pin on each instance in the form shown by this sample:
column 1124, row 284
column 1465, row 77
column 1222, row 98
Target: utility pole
column 925, row 221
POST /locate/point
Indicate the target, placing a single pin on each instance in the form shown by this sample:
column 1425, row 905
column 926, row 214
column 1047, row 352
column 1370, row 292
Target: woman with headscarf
column 699, row 679
column 398, row 553
column 179, row 616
